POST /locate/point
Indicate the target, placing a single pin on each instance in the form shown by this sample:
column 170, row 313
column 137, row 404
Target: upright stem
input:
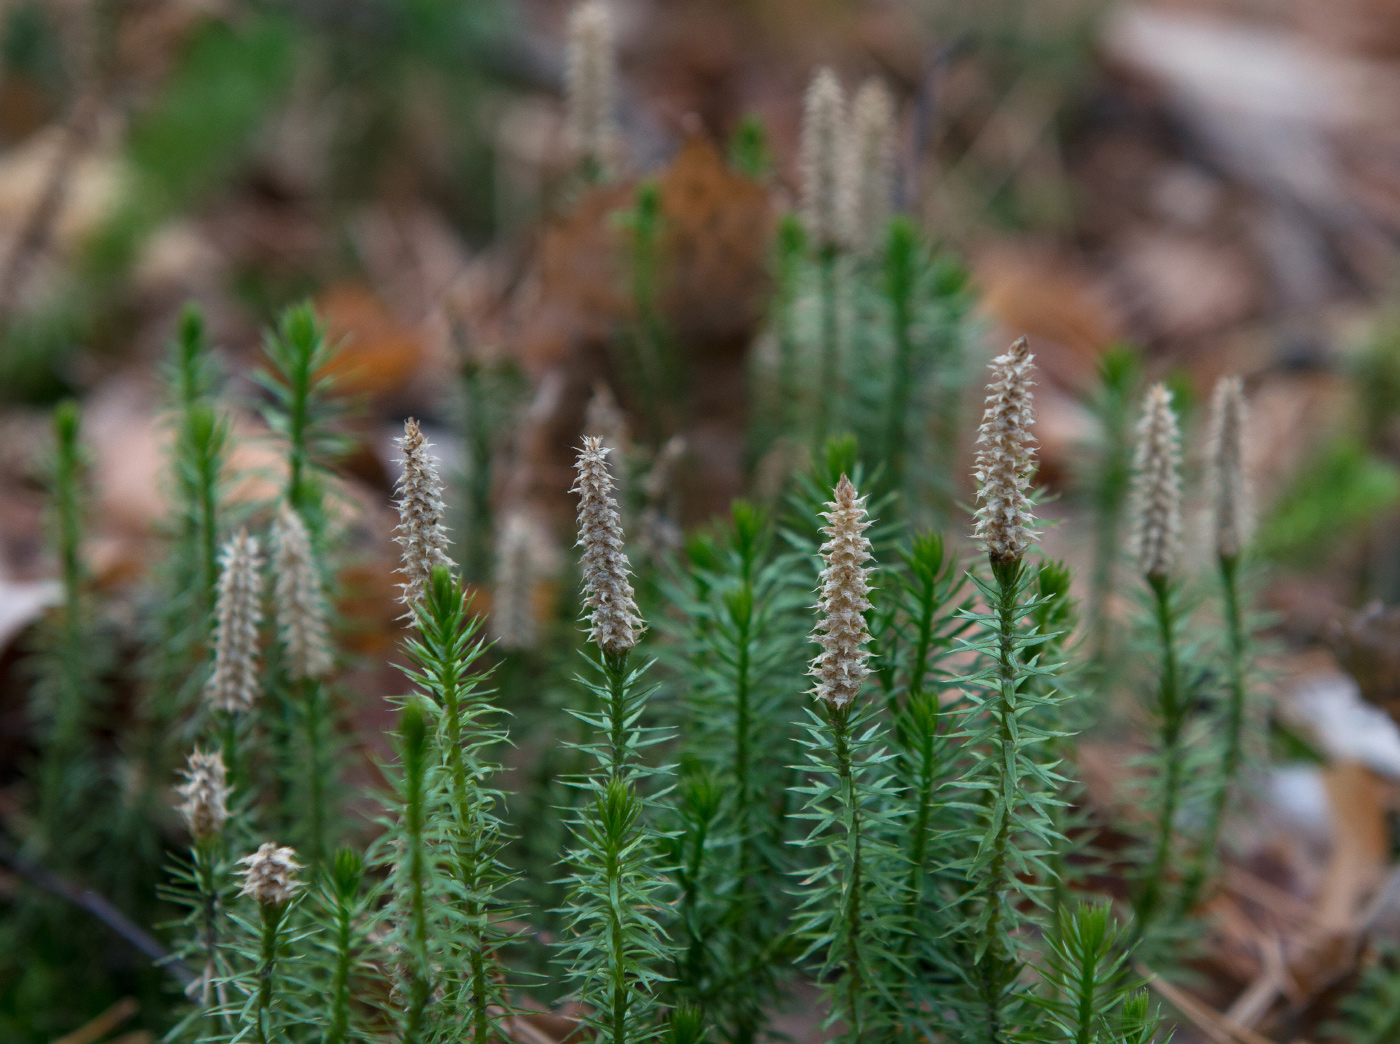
column 72, row 696
column 899, row 288
column 205, row 858
column 340, row 979
column 830, row 346
column 742, row 784
column 1172, row 713
column 854, row 883
column 267, row 965
column 209, row 529
column 315, row 765
column 921, row 711
column 618, row 727
column 1234, row 732
column 419, row 988
column 1005, row 786
column 787, row 351
column 690, row 895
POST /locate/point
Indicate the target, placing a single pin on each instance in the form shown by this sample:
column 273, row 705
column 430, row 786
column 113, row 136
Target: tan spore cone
column 868, row 198
column 842, row 600
column 1006, row 458
column 299, row 597
column 421, row 532
column 591, row 83
column 233, row 682
column 1156, row 532
column 823, row 138
column 1230, row 494
column 206, row 793
column 270, row 874
column 614, row 623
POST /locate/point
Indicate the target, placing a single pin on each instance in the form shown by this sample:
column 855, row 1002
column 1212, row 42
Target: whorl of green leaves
column 744, row 641
column 917, row 625
column 1086, row 991
column 1371, row 1013
column 412, row 851
column 1178, row 682
column 340, row 907
column 1105, row 477
column 1009, row 836
column 851, row 912
column 66, row 692
column 614, row 943
column 302, row 410
column 444, row 653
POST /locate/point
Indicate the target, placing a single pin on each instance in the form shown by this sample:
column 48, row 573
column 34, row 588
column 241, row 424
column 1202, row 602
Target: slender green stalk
column 312, row 699
column 1229, row 764
column 1172, row 711
column 267, row 972
column 854, row 884
column 828, row 393
column 413, row 734
column 792, row 248
column 300, row 383
column 1108, row 478
column 901, row 261
column 206, row 858
column 72, row 678
column 615, row 946
column 342, row 898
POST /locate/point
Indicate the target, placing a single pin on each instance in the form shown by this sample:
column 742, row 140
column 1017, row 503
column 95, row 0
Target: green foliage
column 615, row 945
column 444, row 655
column 1371, row 1014
column 303, row 408
column 851, row 913
column 1086, row 993
column 1105, row 478
column 1334, row 494
column 748, row 147
column 745, row 640
column 1011, row 792
column 206, row 119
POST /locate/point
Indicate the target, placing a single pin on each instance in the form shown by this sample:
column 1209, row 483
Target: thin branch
column 98, row 906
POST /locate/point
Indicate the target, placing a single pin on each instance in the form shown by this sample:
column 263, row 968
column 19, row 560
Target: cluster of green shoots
column 895, row 818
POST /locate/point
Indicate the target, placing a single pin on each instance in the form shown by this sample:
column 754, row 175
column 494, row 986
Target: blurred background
column 1216, row 182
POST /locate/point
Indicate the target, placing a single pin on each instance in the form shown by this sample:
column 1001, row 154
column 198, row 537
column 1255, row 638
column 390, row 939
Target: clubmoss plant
column 342, row 905
column 743, row 641
column 68, row 680
column 1156, row 542
column 302, row 624
column 914, row 639
column 591, row 89
column 270, row 879
column 414, row 877
column 1107, row 479
column 615, row 945
column 421, row 532
column 1011, row 720
column 791, row 249
column 868, row 182
column 1230, row 528
column 233, row 686
column 849, row 910
column 300, row 384
column 823, row 135
column 202, row 885
column 444, row 652
column 1087, row 993
column 513, row 622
